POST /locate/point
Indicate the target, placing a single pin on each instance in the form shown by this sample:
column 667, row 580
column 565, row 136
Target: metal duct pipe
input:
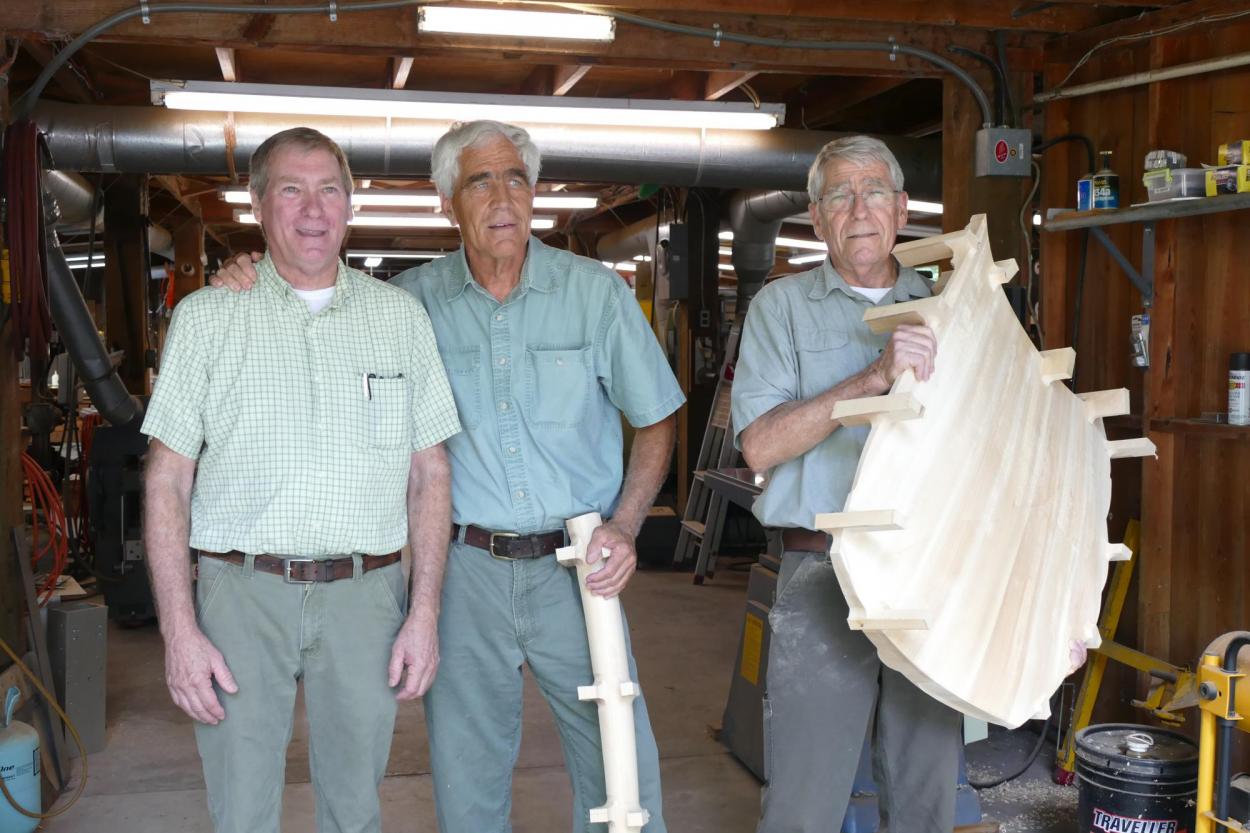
column 155, row 140
column 755, row 218
column 73, row 196
column 638, row 238
column 78, row 332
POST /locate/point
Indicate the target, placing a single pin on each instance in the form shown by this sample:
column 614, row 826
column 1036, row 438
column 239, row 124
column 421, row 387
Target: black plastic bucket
column 1135, row 779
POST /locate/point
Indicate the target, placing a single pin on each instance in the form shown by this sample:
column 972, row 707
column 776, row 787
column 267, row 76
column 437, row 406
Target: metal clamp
column 334, row 11
column 286, row 570
column 893, row 49
column 146, row 11
column 716, row 39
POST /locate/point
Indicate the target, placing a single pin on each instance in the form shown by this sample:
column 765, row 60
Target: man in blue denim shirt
column 544, row 350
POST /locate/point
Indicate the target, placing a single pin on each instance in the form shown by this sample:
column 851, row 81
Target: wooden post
column 188, row 259
column 10, row 463
column 963, row 193
column 126, row 277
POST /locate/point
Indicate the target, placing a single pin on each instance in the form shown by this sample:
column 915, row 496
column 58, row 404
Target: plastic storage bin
column 1168, row 184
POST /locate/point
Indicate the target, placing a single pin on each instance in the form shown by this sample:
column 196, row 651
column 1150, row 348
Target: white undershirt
column 872, row 293
column 317, row 299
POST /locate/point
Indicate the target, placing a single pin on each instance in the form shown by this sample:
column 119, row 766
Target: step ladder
column 703, row 519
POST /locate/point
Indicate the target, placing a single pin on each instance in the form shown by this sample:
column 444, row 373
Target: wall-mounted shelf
column 1147, row 215
column 1202, row 427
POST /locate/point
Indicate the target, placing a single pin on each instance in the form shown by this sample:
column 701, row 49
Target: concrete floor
column 147, row 780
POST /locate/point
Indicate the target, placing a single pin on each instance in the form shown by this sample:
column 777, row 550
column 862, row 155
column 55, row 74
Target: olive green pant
column 336, row 638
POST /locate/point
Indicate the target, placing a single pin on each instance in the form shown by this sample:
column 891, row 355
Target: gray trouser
column 337, row 639
column 824, row 683
column 496, row 616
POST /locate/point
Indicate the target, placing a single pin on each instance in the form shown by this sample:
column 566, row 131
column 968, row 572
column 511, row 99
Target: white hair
column 858, row 150
column 467, row 134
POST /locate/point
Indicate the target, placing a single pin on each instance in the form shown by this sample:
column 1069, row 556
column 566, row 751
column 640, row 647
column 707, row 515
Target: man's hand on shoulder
column 620, row 564
column 237, row 274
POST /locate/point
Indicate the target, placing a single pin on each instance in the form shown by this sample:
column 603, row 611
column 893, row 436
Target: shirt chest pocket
column 823, row 359
column 557, row 384
column 464, row 374
column 389, row 411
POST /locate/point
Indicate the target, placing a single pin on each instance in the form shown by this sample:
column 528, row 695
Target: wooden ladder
column 704, row 516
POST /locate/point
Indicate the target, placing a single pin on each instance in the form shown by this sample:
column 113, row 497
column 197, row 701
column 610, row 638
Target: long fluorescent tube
column 396, row 255
column 923, row 206
column 373, row 262
column 219, row 96
column 427, row 199
column 516, row 24
column 801, row 259
column 624, row 266
column 405, row 221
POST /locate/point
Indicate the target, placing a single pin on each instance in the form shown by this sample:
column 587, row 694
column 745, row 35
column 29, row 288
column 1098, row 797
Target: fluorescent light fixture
column 373, row 262
column 515, row 24
column 279, row 99
column 428, row 199
column 785, row 242
column 96, row 259
column 725, row 267
column 643, row 258
column 923, row 207
column 81, row 263
column 1037, row 219
column 725, row 252
column 404, row 221
column 626, row 266
column 798, row 260
column 395, row 255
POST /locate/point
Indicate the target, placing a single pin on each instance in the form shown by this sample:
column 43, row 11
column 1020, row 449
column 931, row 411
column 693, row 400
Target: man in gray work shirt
column 804, row 348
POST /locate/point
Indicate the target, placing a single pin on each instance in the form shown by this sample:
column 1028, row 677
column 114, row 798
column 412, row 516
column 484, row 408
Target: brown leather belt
column 307, row 570
column 804, row 540
column 511, row 546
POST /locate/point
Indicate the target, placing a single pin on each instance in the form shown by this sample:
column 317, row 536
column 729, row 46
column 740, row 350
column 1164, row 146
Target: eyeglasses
column 835, row 202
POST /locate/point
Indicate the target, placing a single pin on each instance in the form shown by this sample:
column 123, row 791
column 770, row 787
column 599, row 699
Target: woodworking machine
column 1225, row 705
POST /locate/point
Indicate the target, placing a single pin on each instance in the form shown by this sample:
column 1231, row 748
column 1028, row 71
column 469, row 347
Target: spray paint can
column 1106, row 184
column 1239, row 389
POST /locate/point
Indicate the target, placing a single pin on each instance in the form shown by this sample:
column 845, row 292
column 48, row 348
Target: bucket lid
column 1131, row 743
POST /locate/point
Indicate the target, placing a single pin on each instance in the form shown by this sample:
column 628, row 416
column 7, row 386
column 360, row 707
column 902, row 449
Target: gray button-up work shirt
column 803, row 335
column 541, row 381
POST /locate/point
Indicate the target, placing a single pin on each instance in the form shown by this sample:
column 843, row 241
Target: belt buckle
column 286, row 570
column 495, row 535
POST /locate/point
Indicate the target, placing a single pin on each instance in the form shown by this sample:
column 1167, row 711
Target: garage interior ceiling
column 821, row 90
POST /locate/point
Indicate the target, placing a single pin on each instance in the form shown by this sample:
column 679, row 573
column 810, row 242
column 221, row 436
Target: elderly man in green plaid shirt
column 297, row 444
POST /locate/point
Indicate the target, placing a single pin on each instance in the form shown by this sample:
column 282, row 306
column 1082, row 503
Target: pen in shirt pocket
column 366, row 382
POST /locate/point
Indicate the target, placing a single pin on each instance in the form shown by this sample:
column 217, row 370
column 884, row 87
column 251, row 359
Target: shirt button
column 503, row 360
column 520, row 494
column 559, row 362
column 512, row 449
column 503, row 406
column 499, row 316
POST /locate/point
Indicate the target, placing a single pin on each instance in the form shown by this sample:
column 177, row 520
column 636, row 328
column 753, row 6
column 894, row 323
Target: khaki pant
column 335, row 637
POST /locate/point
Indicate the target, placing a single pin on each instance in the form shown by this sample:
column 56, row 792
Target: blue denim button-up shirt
column 540, row 382
column 803, row 335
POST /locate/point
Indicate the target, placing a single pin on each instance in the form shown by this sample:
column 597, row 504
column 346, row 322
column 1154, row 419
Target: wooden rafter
column 226, row 60
column 400, row 67
column 720, row 83
column 68, row 77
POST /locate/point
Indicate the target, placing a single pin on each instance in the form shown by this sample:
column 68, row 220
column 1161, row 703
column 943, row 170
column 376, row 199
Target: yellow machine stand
column 1225, row 706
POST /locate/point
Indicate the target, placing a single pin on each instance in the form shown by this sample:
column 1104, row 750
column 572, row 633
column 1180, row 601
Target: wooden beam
column 566, row 76
column 721, row 83
column 395, row 32
column 1071, row 48
column 188, row 259
column 11, row 447
column 258, row 27
column 126, row 277
column 225, row 60
column 824, row 100
column 69, row 78
column 400, row 67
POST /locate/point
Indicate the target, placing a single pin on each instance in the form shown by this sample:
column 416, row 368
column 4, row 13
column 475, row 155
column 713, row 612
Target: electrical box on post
column 1004, row 151
column 678, row 261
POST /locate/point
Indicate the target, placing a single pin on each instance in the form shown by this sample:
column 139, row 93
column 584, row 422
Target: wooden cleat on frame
column 1118, row 552
column 1057, row 365
column 884, row 620
column 892, row 407
column 925, row 311
column 1100, row 404
column 871, row 520
column 1136, row 447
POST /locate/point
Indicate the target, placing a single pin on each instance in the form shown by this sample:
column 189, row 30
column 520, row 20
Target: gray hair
column 858, row 150
column 303, row 138
column 467, row 134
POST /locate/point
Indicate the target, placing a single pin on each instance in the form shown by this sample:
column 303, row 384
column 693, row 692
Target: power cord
column 69, row 725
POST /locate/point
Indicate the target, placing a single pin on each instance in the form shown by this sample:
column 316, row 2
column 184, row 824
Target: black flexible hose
column 1000, row 80
column 26, row 104
column 1071, row 137
column 1000, row 42
column 1037, row 750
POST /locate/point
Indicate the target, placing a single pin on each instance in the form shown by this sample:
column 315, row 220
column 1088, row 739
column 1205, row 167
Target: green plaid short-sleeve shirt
column 303, row 425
